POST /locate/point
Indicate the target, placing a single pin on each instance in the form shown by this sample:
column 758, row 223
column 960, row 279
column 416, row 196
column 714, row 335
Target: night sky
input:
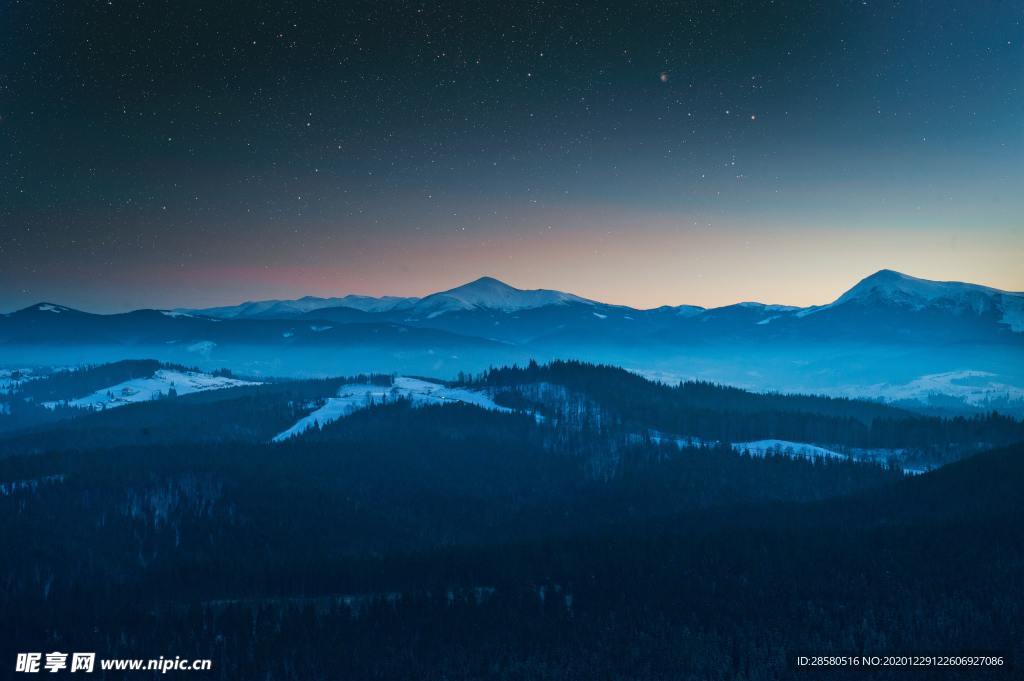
column 163, row 154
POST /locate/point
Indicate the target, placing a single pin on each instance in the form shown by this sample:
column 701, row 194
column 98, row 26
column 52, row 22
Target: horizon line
column 884, row 270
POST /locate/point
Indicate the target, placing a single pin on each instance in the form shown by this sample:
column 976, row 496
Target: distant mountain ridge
column 885, row 287
column 483, row 293
column 279, row 308
column 887, row 306
column 488, row 293
column 890, row 336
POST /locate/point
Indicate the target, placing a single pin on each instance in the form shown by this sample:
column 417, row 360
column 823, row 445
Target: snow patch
column 307, row 304
column 796, row 449
column 145, row 389
column 976, row 388
column 202, row 347
column 356, row 396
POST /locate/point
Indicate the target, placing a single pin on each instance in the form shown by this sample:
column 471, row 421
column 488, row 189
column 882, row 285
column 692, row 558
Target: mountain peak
column 896, row 287
column 485, row 283
column 891, row 288
column 886, row 275
column 44, row 307
column 488, row 293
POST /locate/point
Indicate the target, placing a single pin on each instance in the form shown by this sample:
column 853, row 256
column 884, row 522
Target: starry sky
column 176, row 153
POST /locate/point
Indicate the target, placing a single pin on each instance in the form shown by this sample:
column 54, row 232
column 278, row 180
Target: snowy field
column 756, row 447
column 969, row 388
column 145, row 389
column 976, row 388
column 799, row 449
column 353, row 397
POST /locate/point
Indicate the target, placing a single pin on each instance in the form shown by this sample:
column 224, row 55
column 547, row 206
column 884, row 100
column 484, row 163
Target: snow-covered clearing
column 353, row 397
column 157, row 385
column 766, row 447
column 976, row 388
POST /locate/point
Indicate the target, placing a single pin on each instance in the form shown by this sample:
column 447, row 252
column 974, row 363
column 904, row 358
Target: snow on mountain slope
column 490, row 294
column 885, row 289
column 287, row 308
column 891, row 288
column 46, row 309
column 371, row 304
column 157, row 385
column 57, row 309
column 353, row 397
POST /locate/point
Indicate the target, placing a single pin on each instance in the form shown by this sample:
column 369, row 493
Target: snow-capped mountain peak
column 891, row 288
column 50, row 308
column 489, row 293
column 895, row 287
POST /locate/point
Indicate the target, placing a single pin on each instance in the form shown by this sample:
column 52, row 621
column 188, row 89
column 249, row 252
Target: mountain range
column 886, row 333
column 885, row 290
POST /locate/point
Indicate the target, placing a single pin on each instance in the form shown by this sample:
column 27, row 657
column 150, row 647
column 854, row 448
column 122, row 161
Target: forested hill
column 442, row 540
column 68, row 384
column 246, row 413
column 714, row 412
column 450, row 543
column 143, row 402
column 628, row 391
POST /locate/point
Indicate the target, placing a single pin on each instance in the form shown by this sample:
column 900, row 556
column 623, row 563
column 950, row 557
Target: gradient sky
column 166, row 154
